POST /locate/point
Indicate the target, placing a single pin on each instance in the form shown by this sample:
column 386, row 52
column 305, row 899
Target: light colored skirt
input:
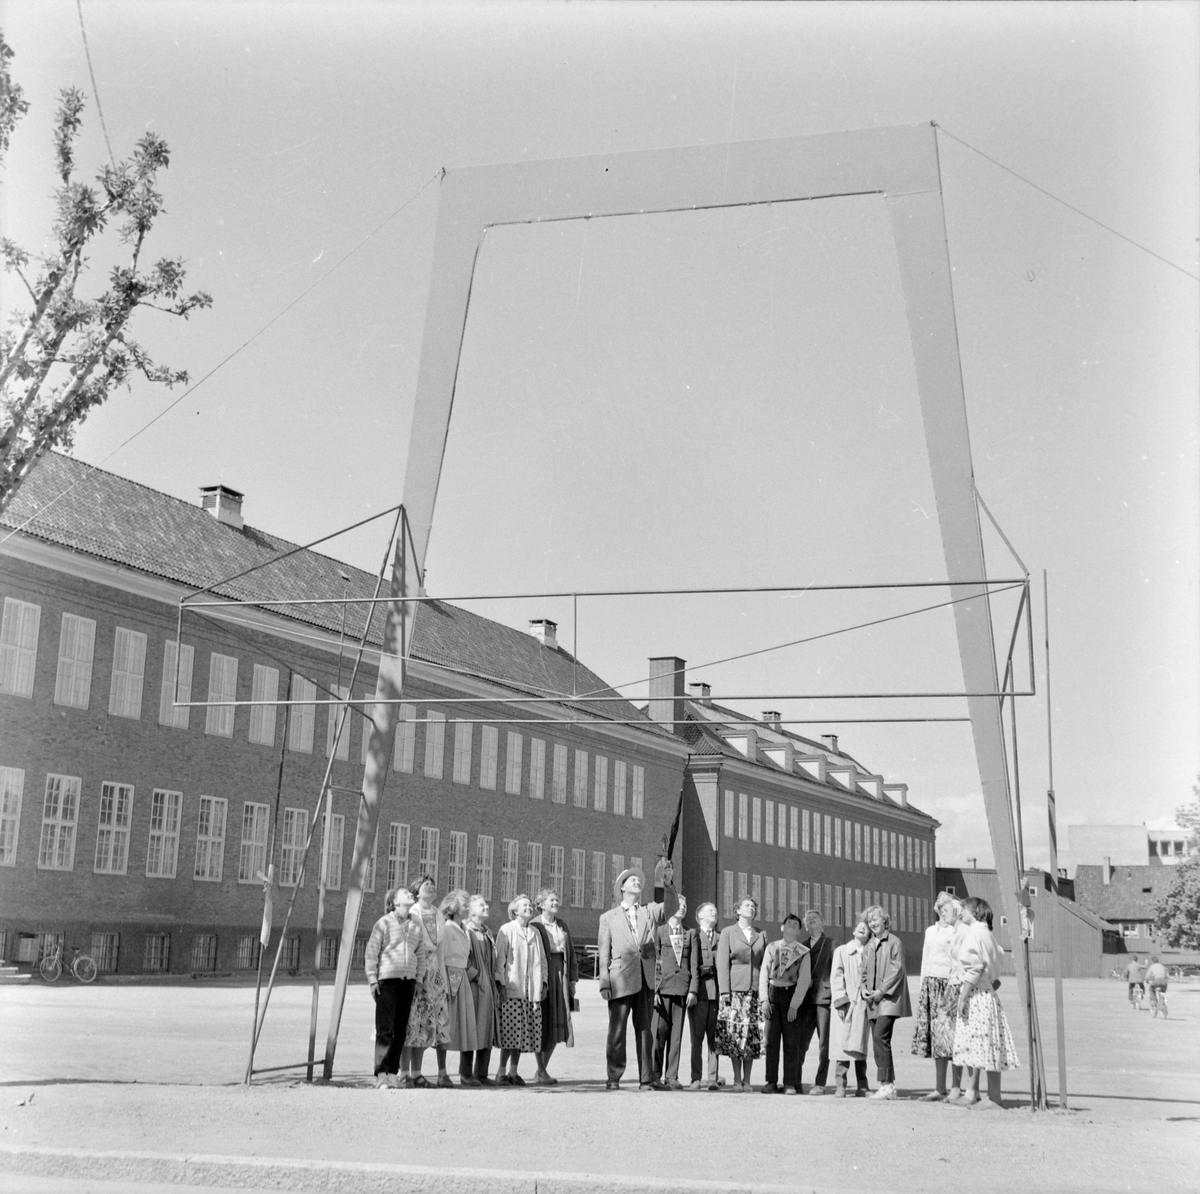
column 937, row 1018
column 982, row 1038
column 740, row 1027
column 429, row 1020
column 850, row 1038
column 460, row 1005
column 521, row 1025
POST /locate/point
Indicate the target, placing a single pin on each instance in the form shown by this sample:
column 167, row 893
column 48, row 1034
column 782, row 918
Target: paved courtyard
column 157, row 1068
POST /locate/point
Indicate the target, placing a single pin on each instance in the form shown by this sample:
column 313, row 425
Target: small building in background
column 1084, row 938
column 1160, row 844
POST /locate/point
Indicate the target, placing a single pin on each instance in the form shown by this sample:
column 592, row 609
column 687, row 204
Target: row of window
column 838, row 905
column 589, row 778
column 789, row 826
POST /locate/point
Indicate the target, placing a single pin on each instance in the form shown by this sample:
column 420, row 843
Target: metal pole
column 1056, row 906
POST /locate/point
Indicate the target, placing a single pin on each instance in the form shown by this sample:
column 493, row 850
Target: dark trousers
column 619, row 1010
column 779, row 1028
column 392, row 1006
column 814, row 1017
column 668, row 1035
column 474, row 1065
column 881, row 1034
column 842, row 1071
column 703, row 1021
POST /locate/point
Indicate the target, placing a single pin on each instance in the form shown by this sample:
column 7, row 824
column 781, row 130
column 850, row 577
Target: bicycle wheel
column 50, row 968
column 85, row 969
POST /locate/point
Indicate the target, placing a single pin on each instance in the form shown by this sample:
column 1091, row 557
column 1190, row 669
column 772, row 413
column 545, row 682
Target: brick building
column 138, row 830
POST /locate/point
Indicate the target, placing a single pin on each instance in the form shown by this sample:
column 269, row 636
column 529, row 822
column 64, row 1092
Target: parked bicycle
column 82, row 967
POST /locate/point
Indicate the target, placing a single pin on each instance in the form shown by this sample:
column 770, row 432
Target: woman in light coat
column 460, row 999
column 849, row 1026
column 937, row 1003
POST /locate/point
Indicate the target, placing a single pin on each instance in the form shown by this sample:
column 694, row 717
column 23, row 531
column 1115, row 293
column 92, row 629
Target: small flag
column 268, row 911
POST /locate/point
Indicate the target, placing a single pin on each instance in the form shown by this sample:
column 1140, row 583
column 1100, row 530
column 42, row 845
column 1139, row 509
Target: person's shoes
column 769, row 1088
column 790, row 1090
column 382, row 1081
column 675, row 1084
column 612, row 1085
column 954, row 1095
column 934, row 1096
column 885, row 1092
column 816, row 1090
column 695, row 1085
column 982, row 1104
column 422, row 1082
column 484, row 1080
column 468, row 1080
column 445, row 1082
column 544, row 1080
column 645, row 1086
column 839, row 1091
column 404, row 1082
column 862, row 1092
column 714, row 1086
column 505, row 1080
column 516, row 1080
column 720, row 1081
column 967, row 1101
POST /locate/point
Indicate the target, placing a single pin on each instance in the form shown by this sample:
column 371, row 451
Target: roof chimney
column 545, row 631
column 971, row 864
column 667, row 691
column 830, row 740
column 224, row 503
column 701, row 692
column 1106, row 871
column 772, row 719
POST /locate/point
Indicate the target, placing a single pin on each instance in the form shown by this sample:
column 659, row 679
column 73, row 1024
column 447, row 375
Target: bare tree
column 66, row 353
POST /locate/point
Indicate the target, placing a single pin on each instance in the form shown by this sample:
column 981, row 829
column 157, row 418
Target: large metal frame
column 898, row 164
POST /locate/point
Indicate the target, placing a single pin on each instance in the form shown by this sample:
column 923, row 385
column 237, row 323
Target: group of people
column 440, row 979
column 1151, row 977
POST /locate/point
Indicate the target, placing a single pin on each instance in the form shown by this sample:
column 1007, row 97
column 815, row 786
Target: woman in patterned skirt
column 982, row 1039
column 562, row 973
column 521, row 968
column 740, row 953
column 429, row 1020
column 937, row 1004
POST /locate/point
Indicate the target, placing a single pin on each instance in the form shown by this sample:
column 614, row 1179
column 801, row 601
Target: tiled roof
column 1126, row 897
column 89, row 510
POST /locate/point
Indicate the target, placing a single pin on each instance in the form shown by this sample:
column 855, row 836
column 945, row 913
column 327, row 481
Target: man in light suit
column 813, row 995
column 626, row 970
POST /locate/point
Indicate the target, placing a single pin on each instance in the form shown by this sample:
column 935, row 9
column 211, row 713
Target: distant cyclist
column 1156, row 981
column 1134, row 976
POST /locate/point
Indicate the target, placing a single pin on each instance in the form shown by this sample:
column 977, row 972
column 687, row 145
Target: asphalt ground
column 118, row 1070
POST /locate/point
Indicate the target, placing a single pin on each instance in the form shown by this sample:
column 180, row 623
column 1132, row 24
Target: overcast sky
column 721, row 398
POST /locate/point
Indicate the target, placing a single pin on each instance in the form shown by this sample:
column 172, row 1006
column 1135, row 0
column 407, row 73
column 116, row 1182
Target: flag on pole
column 268, row 912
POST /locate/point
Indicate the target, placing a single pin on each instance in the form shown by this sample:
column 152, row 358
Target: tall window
column 908, row 853
column 637, row 800
column 18, row 646
column 837, row 905
column 600, row 785
column 618, row 865
column 252, row 852
column 598, row 861
column 782, row 824
column 332, row 846
column 264, row 687
column 578, row 863
column 303, row 716
column 847, row 830
column 210, row 839
column 756, row 819
column 104, row 951
column 768, row 912
column 837, row 837
column 485, row 847
column 456, row 863
column 462, row 756
column 76, row 643
column 294, row 837
column 112, row 833
column 620, row 772
column 204, row 953
column 892, row 850
column 338, row 717
column 397, row 874
column 794, row 896
column 557, row 861
column 508, row 869
column 222, row 686
column 12, row 787
column 404, row 748
column 743, row 816
column 489, row 749
column 756, row 890
column 793, row 827
column 512, row 765
column 828, row 834
column 431, row 842
column 533, row 866
column 129, row 668
column 537, row 769
column 806, row 840
column 176, row 685
column 435, row 743
column 60, row 814
column 156, row 955
column 743, row 886
column 875, row 845
column 769, row 822
column 558, row 776
column 924, row 857
column 580, row 787
column 162, row 849
column 858, row 841
column 805, row 897
column 828, row 904
column 781, row 898
column 727, row 893
column 728, row 814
